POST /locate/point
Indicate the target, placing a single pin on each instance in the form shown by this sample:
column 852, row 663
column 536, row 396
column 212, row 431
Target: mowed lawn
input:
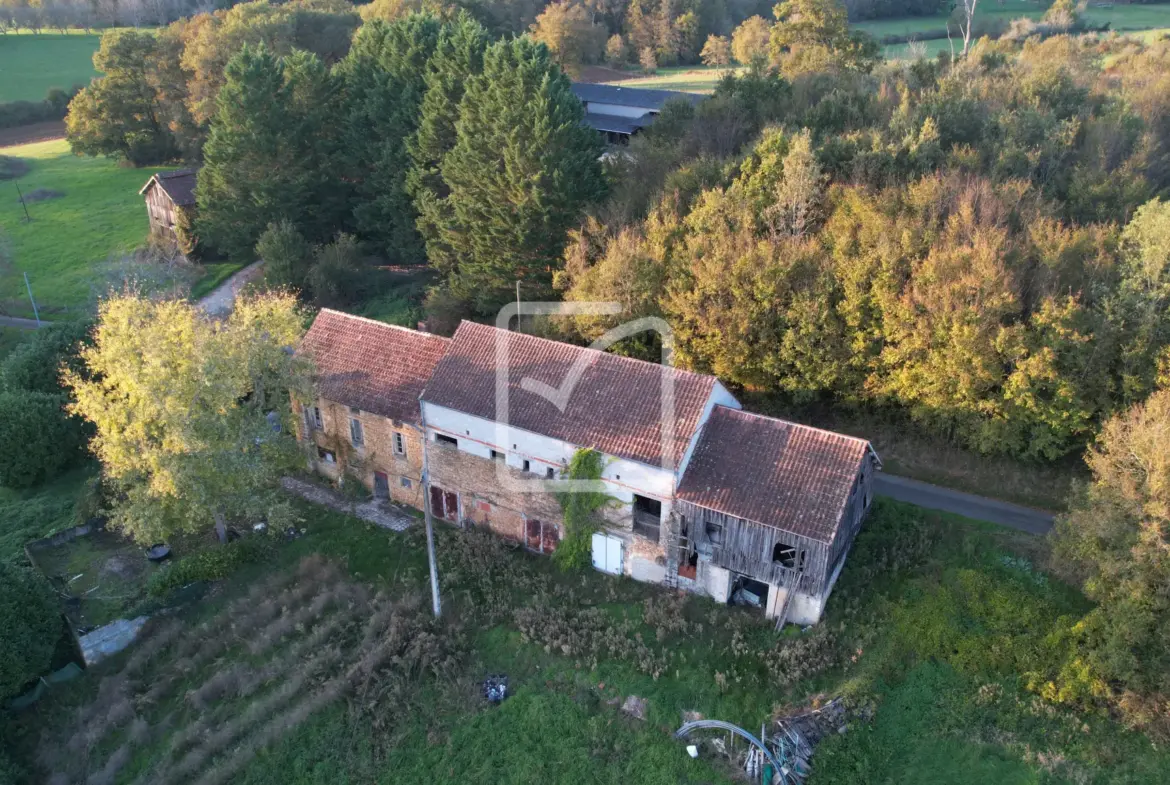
column 32, row 64
column 98, row 213
column 687, row 79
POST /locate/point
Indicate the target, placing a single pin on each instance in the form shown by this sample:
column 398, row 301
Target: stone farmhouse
column 708, row 497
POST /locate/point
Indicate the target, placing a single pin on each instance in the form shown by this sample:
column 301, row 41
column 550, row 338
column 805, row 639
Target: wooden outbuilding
column 168, row 194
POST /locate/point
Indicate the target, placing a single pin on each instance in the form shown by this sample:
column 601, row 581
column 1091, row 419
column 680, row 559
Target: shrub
column 38, row 439
column 35, row 364
column 286, row 254
column 210, row 565
column 30, row 624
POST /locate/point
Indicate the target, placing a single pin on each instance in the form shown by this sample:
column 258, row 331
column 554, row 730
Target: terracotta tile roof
column 372, row 366
column 773, row 472
column 178, row 185
column 614, row 407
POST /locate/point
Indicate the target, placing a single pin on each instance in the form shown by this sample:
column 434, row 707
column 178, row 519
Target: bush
column 17, row 113
column 30, row 624
column 38, row 439
column 35, row 364
column 287, row 256
column 210, row 565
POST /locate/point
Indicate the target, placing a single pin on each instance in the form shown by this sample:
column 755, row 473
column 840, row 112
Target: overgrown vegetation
column 209, row 565
column 926, row 631
column 580, row 508
column 31, row 621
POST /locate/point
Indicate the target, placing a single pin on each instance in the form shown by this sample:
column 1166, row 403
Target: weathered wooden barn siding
column 747, row 549
column 854, row 514
column 160, row 209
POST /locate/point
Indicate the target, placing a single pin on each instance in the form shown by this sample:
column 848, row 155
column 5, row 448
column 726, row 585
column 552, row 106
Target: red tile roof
column 372, row 366
column 773, row 472
column 178, row 185
column 614, row 407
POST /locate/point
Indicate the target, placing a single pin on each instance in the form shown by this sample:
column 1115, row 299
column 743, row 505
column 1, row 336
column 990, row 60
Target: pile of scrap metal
column 781, row 757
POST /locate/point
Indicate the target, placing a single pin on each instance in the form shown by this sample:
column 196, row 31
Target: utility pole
column 517, row 305
column 27, row 217
column 36, row 313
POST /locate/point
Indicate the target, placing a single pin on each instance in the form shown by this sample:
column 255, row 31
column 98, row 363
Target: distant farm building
column 168, row 194
column 620, row 112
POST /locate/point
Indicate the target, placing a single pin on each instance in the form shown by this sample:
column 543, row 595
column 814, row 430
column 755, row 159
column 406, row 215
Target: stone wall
column 483, row 502
column 377, row 454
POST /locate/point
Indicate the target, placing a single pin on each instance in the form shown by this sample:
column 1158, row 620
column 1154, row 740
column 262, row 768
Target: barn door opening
column 444, row 504
column 540, row 536
column 381, row 485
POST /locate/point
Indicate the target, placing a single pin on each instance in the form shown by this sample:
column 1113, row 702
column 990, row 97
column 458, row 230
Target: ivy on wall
column 580, row 507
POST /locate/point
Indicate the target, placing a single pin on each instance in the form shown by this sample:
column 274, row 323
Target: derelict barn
column 167, row 194
column 775, row 504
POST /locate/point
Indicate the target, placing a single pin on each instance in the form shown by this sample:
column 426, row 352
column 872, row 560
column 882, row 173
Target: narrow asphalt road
column 21, row 324
column 981, row 508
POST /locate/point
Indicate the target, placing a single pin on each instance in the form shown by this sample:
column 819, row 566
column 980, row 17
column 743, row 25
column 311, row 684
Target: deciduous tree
column 186, row 411
column 716, row 51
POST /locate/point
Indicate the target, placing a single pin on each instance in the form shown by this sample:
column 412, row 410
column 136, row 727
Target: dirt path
column 37, row 132
column 223, row 297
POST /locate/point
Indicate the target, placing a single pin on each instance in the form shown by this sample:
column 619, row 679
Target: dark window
column 714, row 532
column 549, row 473
column 449, row 441
column 405, row 482
column 787, row 556
column 527, row 466
column 647, row 517
column 326, row 455
column 313, row 418
column 498, row 456
column 356, row 435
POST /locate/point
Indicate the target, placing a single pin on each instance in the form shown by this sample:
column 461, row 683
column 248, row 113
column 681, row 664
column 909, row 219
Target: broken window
column 499, row 456
column 647, row 517
column 326, row 455
column 550, row 473
column 356, row 435
column 788, row 556
column 399, row 444
column 313, row 420
column 714, row 531
column 448, row 441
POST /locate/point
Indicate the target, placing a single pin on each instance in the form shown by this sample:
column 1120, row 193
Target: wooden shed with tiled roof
column 776, row 501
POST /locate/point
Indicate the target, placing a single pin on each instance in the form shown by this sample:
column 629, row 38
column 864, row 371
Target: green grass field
column 32, row 64
column 98, row 214
column 688, row 79
column 939, row 617
column 1119, row 17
